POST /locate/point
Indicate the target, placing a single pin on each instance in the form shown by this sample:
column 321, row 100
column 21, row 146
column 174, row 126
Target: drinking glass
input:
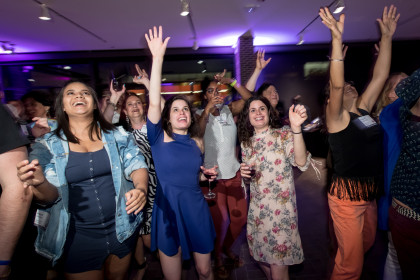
column 210, row 194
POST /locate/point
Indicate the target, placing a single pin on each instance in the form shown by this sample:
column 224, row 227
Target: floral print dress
column 272, row 228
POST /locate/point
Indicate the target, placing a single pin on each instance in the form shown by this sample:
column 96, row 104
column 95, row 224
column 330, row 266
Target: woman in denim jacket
column 83, row 171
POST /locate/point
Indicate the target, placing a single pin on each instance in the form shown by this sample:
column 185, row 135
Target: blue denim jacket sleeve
column 46, row 160
column 131, row 156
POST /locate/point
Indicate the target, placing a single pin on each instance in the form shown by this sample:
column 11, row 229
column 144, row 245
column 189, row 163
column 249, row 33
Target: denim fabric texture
column 52, row 153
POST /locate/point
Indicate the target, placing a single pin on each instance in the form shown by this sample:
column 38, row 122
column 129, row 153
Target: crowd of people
column 109, row 185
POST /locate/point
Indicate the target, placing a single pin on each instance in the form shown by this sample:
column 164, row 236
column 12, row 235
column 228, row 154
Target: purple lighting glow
column 270, row 39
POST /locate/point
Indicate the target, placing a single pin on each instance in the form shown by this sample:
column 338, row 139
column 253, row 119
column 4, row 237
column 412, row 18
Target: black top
column 405, row 183
column 357, row 158
column 11, row 134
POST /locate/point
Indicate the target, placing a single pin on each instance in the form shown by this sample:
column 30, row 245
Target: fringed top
column 357, row 159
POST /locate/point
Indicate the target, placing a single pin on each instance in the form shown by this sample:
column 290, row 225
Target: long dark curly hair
column 166, row 125
column 245, row 129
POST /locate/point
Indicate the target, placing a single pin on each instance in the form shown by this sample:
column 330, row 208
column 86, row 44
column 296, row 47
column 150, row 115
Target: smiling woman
column 94, row 179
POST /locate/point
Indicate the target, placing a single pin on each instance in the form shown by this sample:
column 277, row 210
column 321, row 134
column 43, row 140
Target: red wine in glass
column 253, row 171
column 210, row 194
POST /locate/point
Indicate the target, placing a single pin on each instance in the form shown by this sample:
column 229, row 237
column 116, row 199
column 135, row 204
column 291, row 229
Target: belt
column 406, row 212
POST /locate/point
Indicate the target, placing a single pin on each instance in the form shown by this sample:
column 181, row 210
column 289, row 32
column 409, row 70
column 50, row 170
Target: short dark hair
column 98, row 123
column 166, row 125
column 264, row 87
column 204, row 85
column 245, row 129
column 42, row 97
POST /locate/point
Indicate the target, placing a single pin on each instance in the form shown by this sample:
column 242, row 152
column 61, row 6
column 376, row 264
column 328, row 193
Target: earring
column 127, row 120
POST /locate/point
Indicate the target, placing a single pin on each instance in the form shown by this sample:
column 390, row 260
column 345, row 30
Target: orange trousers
column 355, row 228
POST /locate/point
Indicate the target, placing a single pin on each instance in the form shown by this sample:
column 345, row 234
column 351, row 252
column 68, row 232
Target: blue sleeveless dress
column 181, row 217
column 92, row 235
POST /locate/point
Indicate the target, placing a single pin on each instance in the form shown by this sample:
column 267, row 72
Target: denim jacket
column 52, row 153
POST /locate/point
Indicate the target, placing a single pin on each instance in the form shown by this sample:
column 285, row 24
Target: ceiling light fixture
column 301, row 40
column 8, row 48
column 185, row 8
column 45, row 14
column 200, row 62
column 195, row 45
column 338, row 8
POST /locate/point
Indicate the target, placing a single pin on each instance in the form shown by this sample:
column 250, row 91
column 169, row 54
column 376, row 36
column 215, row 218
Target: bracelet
column 112, row 104
column 300, row 132
column 5, row 262
column 232, row 84
column 334, row 59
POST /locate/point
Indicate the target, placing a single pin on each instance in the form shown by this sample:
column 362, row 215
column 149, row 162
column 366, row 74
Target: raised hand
column 297, row 115
column 388, row 23
column 30, row 173
column 336, row 27
column 115, row 95
column 141, row 78
column 41, row 127
column 261, row 62
column 220, row 77
column 157, row 46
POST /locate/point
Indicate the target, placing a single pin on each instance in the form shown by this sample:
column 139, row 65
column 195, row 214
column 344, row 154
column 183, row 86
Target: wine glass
column 210, row 194
column 253, row 170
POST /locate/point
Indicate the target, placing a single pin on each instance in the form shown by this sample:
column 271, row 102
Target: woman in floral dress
column 272, row 230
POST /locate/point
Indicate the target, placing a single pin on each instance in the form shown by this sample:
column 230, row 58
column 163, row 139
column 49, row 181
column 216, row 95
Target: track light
column 185, row 8
column 339, row 6
column 8, row 48
column 195, row 45
column 336, row 5
column 301, row 40
column 45, row 14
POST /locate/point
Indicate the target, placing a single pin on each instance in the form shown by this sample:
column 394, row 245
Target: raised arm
column 235, row 106
column 143, row 79
column 261, row 63
column 157, row 47
column 387, row 25
column 297, row 115
column 113, row 100
column 334, row 111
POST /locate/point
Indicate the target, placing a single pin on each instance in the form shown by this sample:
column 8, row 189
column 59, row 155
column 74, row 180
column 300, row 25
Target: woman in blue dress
column 181, row 221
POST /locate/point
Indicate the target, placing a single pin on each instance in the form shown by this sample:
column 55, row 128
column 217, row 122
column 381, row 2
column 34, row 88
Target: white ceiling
column 122, row 23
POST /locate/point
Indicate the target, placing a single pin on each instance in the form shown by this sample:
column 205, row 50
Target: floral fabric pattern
column 272, row 228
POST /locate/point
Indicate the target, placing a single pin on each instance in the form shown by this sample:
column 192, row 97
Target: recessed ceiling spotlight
column 31, row 80
column 204, row 71
column 163, row 79
column 45, row 13
column 67, row 67
column 185, row 8
column 200, row 62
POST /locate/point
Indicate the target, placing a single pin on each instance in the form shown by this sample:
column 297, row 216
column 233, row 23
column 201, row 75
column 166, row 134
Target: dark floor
column 314, row 232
